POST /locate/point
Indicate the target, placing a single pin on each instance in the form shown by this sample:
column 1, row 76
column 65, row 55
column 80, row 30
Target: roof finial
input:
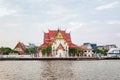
column 59, row 28
column 48, row 29
column 65, row 29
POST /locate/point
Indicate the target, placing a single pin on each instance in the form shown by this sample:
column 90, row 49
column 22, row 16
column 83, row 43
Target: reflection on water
column 54, row 70
column 60, row 70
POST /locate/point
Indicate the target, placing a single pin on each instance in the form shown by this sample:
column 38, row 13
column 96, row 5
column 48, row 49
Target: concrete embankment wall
column 59, row 59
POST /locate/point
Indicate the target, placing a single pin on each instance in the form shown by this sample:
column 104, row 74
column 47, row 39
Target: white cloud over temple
column 96, row 21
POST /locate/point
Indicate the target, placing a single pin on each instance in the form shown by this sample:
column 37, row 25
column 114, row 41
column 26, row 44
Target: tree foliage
column 7, row 51
column 43, row 51
column 47, row 50
column 72, row 50
column 31, row 50
column 79, row 51
column 104, row 52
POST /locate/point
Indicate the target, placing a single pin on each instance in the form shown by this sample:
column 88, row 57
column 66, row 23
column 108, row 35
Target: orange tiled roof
column 85, row 47
column 21, row 46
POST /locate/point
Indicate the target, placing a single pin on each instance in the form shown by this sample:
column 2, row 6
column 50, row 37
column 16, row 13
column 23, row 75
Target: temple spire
column 59, row 28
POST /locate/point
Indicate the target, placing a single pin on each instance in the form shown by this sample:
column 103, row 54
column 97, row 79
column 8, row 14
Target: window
column 116, row 51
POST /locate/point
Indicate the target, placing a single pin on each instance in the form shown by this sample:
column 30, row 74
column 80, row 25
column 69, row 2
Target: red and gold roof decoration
column 60, row 47
column 50, row 36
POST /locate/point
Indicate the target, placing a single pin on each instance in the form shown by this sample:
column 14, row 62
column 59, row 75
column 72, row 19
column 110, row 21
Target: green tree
column 44, row 51
column 31, row 50
column 27, row 51
column 6, row 50
column 49, row 50
column 72, row 51
column 104, row 52
column 79, row 51
column 1, row 50
column 14, row 52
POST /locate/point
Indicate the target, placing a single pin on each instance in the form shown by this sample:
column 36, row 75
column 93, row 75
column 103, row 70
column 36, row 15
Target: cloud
column 83, row 26
column 113, row 22
column 8, row 25
column 6, row 9
column 75, row 26
column 108, row 6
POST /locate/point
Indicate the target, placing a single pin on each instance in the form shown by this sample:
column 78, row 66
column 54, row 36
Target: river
column 60, row 70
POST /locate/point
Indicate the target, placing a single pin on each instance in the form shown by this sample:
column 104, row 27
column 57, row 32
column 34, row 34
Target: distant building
column 59, row 41
column 100, row 47
column 106, row 47
column 20, row 47
column 94, row 46
column 87, row 50
column 31, row 45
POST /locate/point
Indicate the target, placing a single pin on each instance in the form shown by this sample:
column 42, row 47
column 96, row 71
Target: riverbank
column 70, row 58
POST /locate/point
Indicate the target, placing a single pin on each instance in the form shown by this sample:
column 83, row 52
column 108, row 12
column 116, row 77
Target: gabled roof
column 52, row 33
column 60, row 47
column 20, row 45
column 71, row 45
column 43, row 46
column 86, row 47
column 48, row 37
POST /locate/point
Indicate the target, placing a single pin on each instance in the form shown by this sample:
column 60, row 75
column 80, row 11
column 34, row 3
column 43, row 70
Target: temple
column 59, row 42
column 20, row 47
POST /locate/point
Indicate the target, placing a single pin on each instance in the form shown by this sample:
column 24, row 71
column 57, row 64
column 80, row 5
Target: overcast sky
column 95, row 21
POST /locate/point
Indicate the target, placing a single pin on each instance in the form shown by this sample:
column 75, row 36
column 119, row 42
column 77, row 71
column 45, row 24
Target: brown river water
column 60, row 70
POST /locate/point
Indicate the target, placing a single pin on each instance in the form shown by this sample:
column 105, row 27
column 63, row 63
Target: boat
column 114, row 53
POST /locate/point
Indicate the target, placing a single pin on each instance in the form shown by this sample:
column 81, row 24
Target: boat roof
column 112, row 49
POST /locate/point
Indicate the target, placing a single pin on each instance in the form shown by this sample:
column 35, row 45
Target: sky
column 94, row 21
